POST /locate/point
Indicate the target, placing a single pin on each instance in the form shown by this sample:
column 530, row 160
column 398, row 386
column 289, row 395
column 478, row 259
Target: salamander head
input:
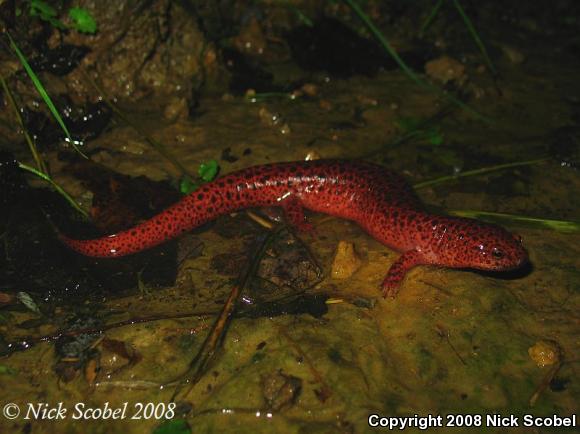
column 472, row 244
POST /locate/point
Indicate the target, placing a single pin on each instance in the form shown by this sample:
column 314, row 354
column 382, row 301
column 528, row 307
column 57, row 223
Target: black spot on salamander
column 199, row 196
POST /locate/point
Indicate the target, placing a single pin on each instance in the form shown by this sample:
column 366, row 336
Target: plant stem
column 475, row 36
column 152, row 142
column 408, row 71
column 431, row 17
column 43, row 93
column 557, row 225
column 57, row 187
column 477, row 172
column 40, row 165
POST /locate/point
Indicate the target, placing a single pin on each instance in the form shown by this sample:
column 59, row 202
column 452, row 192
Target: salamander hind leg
column 392, row 282
column 294, row 214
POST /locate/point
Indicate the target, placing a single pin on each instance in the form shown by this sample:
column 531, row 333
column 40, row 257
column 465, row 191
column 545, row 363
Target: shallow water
column 451, row 342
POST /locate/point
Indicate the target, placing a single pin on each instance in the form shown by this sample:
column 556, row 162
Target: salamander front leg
column 294, row 214
column 392, row 283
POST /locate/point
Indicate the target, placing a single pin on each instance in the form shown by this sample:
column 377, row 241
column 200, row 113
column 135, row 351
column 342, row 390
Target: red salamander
column 379, row 200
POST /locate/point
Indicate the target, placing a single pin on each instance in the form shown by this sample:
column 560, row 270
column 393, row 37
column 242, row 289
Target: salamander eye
column 497, row 253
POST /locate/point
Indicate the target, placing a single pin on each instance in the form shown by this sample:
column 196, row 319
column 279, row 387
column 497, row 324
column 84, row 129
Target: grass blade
column 31, row 145
column 404, row 67
column 431, row 17
column 42, row 92
column 475, row 36
column 479, row 171
column 57, row 187
column 159, row 147
column 533, row 222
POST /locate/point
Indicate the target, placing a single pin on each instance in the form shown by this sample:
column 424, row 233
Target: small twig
column 264, row 222
column 325, row 391
column 205, row 355
column 443, row 333
column 27, row 342
column 545, row 383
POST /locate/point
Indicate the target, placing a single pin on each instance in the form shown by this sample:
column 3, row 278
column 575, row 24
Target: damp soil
column 307, row 352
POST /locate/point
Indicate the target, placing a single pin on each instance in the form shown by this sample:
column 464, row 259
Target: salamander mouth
column 520, row 262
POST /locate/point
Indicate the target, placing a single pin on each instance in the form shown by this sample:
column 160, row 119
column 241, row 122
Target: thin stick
column 27, row 342
column 198, row 366
column 545, row 383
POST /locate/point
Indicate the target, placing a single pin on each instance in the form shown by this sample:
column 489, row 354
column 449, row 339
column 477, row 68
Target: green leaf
column 27, row 301
column 208, row 170
column 175, row 426
column 187, row 185
column 57, row 187
column 7, row 370
column 43, row 10
column 83, row 20
column 434, row 136
column 408, row 124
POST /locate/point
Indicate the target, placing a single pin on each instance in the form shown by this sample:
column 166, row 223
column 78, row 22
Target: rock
column 312, row 155
column 176, row 109
column 545, row 353
column 346, row 261
column 446, row 69
column 515, row 56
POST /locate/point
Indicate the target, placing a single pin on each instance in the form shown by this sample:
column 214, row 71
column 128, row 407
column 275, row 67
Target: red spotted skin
column 379, row 200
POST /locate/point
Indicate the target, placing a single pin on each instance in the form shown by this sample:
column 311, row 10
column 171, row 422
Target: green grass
column 565, row 226
column 43, row 93
column 57, row 187
column 404, row 67
column 479, row 171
